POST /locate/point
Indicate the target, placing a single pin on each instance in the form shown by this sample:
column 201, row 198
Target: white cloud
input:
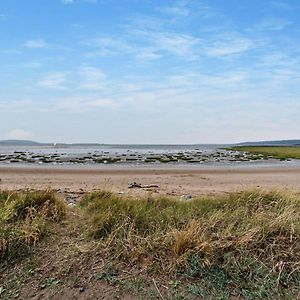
column 19, row 134
column 92, row 78
column 36, row 44
column 53, row 81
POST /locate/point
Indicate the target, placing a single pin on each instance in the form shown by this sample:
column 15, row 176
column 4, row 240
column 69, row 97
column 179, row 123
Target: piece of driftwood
column 135, row 185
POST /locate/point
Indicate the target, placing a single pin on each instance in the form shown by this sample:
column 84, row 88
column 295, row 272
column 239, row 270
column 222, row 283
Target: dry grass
column 24, row 218
column 245, row 245
column 248, row 243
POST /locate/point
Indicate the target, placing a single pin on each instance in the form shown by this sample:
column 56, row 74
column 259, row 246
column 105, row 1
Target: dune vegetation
column 280, row 152
column 25, row 219
column 245, row 245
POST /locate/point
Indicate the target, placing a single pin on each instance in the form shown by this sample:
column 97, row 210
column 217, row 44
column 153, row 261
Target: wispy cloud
column 11, row 51
column 53, row 81
column 282, row 5
column 228, row 44
column 83, row 104
column 75, row 1
column 33, row 65
column 92, row 78
column 3, row 17
column 177, row 11
column 67, row 1
column 146, row 55
column 173, row 43
column 36, row 44
column 272, row 24
column 106, row 46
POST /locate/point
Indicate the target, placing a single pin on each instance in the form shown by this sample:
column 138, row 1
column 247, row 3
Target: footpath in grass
column 243, row 245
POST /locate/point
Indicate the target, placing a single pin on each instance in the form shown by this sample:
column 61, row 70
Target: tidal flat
column 130, row 156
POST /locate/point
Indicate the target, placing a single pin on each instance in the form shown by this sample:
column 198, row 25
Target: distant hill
column 272, row 143
column 61, row 145
column 20, row 143
column 32, row 143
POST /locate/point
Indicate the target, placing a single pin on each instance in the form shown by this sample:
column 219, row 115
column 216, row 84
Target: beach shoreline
column 171, row 181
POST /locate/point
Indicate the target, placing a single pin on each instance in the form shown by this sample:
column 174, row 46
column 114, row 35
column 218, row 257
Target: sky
column 146, row 71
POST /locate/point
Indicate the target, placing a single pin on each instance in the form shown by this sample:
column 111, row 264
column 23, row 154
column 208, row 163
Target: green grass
column 245, row 244
column 274, row 151
column 24, row 218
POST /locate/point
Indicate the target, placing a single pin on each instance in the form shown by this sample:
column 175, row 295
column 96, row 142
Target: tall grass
column 24, row 218
column 248, row 243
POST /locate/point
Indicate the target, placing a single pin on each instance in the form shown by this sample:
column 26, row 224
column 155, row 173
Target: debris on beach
column 135, row 185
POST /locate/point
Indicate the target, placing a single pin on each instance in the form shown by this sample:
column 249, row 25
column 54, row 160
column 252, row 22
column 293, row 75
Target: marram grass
column 246, row 244
column 24, row 218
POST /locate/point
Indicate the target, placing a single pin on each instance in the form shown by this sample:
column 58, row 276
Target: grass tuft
column 24, row 218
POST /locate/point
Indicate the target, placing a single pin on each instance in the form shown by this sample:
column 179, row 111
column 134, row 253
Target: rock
column 186, row 197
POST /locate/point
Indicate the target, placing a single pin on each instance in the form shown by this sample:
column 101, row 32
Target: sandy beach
column 171, row 181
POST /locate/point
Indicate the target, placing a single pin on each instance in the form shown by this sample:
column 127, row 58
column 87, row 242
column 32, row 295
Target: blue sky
column 145, row 71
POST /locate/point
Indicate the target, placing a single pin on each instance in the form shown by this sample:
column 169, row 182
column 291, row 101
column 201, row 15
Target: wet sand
column 174, row 181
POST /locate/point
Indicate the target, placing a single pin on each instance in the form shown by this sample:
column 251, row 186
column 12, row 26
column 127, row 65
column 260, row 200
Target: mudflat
column 171, row 181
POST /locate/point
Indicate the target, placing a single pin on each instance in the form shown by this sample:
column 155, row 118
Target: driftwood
column 135, row 185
